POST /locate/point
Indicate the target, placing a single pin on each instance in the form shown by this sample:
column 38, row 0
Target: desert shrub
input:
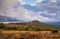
column 2, row 25
column 55, row 31
column 38, row 29
column 11, row 28
column 30, row 29
column 27, row 29
column 21, row 29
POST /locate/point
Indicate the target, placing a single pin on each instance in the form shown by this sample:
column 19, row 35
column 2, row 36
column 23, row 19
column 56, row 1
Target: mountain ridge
column 9, row 19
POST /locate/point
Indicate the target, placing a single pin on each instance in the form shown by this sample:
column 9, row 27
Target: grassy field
column 28, row 35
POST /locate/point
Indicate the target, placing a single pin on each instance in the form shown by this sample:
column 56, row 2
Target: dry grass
column 28, row 35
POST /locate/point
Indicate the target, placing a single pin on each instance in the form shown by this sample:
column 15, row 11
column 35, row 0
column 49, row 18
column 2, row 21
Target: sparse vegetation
column 30, row 26
column 27, row 35
column 10, row 28
column 30, row 30
column 2, row 26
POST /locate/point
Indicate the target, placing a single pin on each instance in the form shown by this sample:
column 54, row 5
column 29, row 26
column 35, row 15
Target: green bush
column 11, row 28
column 2, row 25
column 55, row 32
column 27, row 29
column 38, row 29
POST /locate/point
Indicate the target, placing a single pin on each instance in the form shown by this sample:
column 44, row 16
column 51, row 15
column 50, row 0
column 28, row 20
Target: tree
column 2, row 25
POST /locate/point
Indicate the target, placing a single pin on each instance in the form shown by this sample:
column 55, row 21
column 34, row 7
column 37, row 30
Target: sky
column 28, row 10
column 31, row 2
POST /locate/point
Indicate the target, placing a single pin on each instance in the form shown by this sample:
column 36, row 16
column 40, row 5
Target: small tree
column 2, row 25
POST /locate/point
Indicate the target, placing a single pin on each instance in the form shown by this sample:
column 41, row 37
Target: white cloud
column 23, row 14
column 30, row 15
column 39, row 0
column 32, row 4
column 52, row 14
column 21, row 2
column 53, row 0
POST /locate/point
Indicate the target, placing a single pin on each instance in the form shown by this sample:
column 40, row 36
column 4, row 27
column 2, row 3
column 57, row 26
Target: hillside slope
column 31, row 26
column 42, row 26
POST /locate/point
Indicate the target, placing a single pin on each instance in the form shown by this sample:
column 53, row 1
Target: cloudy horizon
column 28, row 10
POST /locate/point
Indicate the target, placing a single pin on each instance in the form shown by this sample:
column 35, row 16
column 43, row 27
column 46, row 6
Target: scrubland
column 28, row 35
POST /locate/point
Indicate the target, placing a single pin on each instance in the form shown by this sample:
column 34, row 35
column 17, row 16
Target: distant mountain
column 54, row 23
column 9, row 19
column 43, row 26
